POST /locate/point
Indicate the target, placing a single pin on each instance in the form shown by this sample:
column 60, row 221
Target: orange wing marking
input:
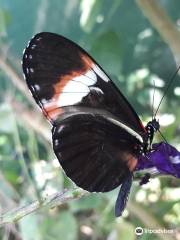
column 52, row 109
column 130, row 160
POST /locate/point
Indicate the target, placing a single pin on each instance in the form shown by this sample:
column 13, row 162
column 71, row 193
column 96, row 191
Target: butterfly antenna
column 153, row 99
column 162, row 136
column 167, row 88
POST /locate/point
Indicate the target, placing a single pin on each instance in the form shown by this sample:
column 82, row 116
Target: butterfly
column 97, row 135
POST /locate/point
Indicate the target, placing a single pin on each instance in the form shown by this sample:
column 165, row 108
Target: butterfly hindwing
column 94, row 153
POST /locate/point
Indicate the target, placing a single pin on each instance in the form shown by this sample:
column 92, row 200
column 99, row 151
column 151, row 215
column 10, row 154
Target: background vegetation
column 135, row 54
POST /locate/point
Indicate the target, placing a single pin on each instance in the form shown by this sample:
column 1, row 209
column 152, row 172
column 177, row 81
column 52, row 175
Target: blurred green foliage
column 121, row 39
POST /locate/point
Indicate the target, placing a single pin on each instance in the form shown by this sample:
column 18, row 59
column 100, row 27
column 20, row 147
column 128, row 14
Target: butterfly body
column 151, row 127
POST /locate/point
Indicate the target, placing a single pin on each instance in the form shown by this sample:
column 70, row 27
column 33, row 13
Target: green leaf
column 165, row 207
column 107, row 50
column 124, row 231
column 6, row 119
column 62, row 226
column 90, row 202
column 4, row 20
column 29, row 227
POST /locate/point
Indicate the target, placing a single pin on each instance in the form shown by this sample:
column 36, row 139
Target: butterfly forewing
column 61, row 74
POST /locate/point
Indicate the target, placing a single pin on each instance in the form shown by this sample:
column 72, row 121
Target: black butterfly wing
column 60, row 74
column 96, row 154
column 95, row 129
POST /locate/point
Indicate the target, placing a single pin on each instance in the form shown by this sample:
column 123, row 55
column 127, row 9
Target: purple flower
column 163, row 159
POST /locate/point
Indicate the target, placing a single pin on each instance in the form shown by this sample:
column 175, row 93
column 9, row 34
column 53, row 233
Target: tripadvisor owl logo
column 139, row 231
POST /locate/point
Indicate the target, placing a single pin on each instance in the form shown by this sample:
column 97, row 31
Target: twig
column 163, row 24
column 16, row 80
column 32, row 118
column 29, row 117
column 11, row 228
column 8, row 194
column 46, row 202
column 50, row 201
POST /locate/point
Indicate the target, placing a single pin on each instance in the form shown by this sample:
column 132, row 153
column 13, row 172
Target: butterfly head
column 154, row 124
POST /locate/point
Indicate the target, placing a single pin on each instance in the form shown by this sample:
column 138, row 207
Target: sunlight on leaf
column 90, row 10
